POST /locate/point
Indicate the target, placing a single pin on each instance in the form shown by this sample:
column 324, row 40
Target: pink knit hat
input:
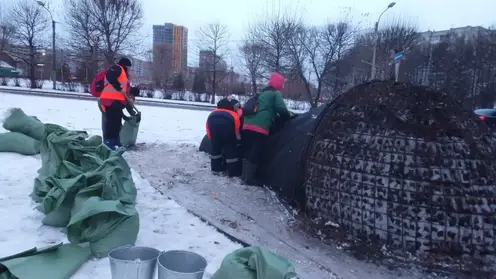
column 276, row 81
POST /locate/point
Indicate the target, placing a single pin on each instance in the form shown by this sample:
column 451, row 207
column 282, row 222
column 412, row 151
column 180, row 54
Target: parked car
column 487, row 115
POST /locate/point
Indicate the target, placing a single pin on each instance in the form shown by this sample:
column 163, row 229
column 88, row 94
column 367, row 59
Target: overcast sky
column 238, row 14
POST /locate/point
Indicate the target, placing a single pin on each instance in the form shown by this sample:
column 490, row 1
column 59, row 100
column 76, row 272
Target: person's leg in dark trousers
column 254, row 144
column 113, row 125
column 231, row 155
column 217, row 163
column 104, row 124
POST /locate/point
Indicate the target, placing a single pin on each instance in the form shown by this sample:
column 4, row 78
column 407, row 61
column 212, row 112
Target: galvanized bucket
column 178, row 264
column 133, row 262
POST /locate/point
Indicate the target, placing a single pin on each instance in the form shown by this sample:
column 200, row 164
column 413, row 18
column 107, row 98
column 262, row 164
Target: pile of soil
column 406, row 167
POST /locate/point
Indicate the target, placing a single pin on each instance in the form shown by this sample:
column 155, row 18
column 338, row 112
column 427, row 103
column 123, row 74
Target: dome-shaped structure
column 407, row 166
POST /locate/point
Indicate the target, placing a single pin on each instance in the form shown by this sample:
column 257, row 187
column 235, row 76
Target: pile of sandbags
column 25, row 133
column 82, row 185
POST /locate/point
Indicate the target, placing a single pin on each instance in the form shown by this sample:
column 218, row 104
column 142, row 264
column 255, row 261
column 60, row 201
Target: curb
column 75, row 96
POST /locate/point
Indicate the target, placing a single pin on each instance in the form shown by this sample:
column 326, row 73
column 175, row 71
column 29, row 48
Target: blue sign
column 398, row 56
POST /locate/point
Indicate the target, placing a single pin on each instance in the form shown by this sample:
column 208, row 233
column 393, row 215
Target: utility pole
column 376, row 38
column 54, row 66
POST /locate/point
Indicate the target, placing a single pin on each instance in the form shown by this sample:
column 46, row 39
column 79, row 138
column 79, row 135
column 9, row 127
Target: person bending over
column 259, row 114
column 223, row 129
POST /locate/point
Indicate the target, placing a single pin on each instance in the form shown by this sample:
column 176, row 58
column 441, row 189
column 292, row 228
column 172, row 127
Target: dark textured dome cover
column 405, row 165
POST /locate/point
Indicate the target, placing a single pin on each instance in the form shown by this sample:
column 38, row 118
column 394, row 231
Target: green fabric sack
column 59, row 261
column 19, row 143
column 130, row 129
column 81, row 185
column 18, row 121
column 87, row 188
column 254, row 263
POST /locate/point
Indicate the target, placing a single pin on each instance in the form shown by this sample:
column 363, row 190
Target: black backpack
column 251, row 106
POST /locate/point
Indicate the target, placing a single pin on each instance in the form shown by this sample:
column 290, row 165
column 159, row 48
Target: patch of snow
column 159, row 124
column 5, row 65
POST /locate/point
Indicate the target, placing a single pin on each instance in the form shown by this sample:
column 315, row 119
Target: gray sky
column 238, row 14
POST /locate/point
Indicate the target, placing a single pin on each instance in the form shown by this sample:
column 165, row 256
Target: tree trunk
column 32, row 72
column 214, row 81
column 254, row 85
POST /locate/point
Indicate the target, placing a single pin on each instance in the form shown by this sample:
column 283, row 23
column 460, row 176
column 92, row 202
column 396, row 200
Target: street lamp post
column 376, row 38
column 54, row 67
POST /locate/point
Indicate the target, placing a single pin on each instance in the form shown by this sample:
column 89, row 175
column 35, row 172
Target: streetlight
column 376, row 38
column 54, row 67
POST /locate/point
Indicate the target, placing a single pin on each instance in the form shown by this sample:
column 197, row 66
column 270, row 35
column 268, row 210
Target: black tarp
column 286, row 154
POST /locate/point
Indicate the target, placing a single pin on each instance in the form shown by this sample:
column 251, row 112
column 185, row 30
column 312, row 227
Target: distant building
column 208, row 61
column 176, row 37
column 137, row 66
column 435, row 37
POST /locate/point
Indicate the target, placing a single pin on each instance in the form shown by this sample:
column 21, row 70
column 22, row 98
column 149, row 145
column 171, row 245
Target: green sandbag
column 54, row 262
column 18, row 121
column 129, row 131
column 254, row 263
column 87, row 188
column 19, row 143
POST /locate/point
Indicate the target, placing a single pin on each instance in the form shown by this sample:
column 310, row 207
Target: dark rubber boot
column 234, row 169
column 250, row 171
column 244, row 167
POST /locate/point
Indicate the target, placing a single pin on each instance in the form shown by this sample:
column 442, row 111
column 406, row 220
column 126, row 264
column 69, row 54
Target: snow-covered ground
column 164, row 224
column 170, row 162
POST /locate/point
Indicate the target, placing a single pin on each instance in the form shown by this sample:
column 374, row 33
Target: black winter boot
column 250, row 173
column 244, row 164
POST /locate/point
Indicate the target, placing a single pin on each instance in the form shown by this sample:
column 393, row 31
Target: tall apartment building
column 173, row 38
column 470, row 33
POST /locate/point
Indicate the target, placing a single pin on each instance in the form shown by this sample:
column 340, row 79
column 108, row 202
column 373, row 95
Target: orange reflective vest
column 237, row 122
column 110, row 93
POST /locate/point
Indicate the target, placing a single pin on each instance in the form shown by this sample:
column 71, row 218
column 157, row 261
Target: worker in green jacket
column 259, row 114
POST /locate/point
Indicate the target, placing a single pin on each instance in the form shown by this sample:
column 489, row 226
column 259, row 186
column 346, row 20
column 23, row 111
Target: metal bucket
column 177, row 264
column 133, row 262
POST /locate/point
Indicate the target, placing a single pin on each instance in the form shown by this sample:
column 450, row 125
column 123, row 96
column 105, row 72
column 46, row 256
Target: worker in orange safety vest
column 113, row 99
column 223, row 129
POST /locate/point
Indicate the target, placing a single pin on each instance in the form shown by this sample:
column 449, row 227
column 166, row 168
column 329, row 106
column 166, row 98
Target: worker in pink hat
column 259, row 114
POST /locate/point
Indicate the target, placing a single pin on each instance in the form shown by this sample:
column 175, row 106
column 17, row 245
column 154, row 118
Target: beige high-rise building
column 172, row 42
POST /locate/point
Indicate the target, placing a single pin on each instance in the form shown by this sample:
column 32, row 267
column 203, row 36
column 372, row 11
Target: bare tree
column 299, row 55
column 119, row 21
column 274, row 34
column 84, row 36
column 31, row 22
column 7, row 32
column 111, row 26
column 355, row 65
column 337, row 40
column 253, row 59
column 315, row 52
column 212, row 41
